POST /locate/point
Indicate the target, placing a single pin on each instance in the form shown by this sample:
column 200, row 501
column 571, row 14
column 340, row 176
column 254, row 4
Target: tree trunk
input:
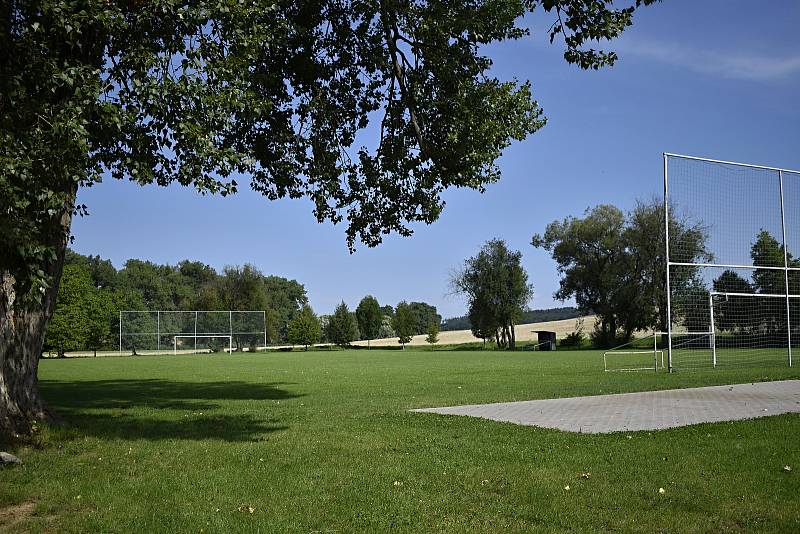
column 22, row 330
column 513, row 337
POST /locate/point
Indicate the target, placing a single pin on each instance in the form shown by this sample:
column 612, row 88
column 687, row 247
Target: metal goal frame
column 780, row 174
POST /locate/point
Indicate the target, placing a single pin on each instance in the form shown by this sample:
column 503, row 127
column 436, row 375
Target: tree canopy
column 69, row 328
column 497, row 290
column 142, row 285
column 212, row 92
column 433, row 334
column 305, row 328
column 342, row 328
column 201, row 93
column 370, row 317
column 424, row 316
column 403, row 323
column 613, row 265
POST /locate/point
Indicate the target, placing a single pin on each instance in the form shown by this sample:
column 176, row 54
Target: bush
column 573, row 340
column 606, row 341
column 576, row 338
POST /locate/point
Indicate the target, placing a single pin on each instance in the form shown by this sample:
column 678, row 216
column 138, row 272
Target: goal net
column 186, row 331
column 732, row 237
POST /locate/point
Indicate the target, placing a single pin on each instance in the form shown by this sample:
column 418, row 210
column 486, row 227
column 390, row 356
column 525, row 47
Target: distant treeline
column 93, row 292
column 530, row 316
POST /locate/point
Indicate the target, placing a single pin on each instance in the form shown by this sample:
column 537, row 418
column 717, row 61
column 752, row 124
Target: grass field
column 323, row 442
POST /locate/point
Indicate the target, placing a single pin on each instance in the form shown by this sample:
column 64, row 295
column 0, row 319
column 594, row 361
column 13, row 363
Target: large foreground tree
column 203, row 92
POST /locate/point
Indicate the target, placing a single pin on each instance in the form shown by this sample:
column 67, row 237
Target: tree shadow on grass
column 158, row 409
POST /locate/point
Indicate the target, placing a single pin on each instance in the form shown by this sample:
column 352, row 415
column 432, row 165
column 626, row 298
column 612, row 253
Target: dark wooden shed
column 546, row 340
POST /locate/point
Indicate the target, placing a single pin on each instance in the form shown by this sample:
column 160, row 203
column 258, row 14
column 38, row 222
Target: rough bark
column 22, row 330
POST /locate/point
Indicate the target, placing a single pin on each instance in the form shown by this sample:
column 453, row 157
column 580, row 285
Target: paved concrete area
column 651, row 410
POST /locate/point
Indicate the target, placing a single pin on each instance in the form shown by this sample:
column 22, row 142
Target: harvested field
column 524, row 333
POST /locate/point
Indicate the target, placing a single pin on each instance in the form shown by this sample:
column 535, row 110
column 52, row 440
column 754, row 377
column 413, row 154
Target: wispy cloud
column 727, row 64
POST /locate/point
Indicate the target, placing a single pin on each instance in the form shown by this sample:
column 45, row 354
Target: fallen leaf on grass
column 662, row 491
column 246, row 508
column 787, row 468
column 585, row 475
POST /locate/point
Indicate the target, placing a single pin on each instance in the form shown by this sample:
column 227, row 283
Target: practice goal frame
column 732, row 182
column 627, row 349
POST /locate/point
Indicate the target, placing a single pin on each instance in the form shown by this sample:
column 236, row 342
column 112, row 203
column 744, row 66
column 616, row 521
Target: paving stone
column 650, row 410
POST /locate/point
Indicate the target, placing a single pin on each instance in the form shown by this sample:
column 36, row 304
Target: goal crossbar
column 769, row 295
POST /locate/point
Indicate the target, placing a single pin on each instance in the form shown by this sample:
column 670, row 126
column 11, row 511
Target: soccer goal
column 641, row 354
column 171, row 331
column 732, row 234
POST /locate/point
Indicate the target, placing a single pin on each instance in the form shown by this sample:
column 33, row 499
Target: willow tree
column 208, row 92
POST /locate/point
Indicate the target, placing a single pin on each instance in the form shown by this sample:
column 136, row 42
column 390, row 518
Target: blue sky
column 718, row 78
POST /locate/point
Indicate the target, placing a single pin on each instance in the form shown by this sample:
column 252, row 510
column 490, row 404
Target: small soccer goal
column 191, row 344
column 641, row 354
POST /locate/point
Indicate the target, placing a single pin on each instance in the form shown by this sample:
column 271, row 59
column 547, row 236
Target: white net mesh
column 150, row 331
column 734, row 276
